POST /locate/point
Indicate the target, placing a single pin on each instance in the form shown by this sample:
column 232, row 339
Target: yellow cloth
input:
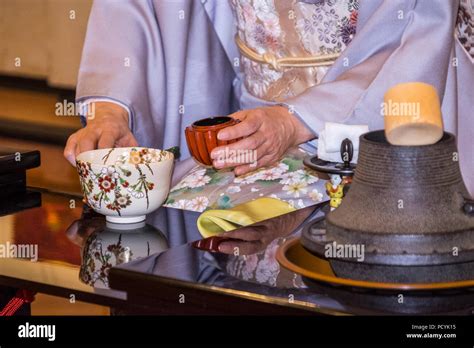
column 214, row 222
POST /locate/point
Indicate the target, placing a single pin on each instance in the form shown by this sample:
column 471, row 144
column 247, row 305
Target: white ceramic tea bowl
column 125, row 184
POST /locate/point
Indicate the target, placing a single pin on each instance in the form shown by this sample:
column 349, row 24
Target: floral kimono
column 297, row 29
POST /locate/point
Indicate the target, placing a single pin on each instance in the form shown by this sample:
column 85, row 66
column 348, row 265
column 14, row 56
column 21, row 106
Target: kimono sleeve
column 120, row 46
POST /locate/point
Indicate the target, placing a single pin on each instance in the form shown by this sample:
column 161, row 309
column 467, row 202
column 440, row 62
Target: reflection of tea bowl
column 115, row 244
column 125, row 184
column 201, row 137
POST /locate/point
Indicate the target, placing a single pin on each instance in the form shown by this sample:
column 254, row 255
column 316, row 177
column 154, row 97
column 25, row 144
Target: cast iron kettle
column 409, row 209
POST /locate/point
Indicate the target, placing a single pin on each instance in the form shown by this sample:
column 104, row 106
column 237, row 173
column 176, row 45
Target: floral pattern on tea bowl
column 125, row 184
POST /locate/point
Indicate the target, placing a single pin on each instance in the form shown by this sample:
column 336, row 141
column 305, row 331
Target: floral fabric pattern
column 288, row 180
column 465, row 26
column 328, row 26
column 322, row 27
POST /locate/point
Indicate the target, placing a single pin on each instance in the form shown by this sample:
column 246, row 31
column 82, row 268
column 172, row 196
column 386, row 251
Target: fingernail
column 222, row 135
column 215, row 154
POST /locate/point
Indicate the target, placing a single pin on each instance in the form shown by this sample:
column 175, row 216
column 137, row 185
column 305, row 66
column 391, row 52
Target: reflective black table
column 76, row 249
column 151, row 268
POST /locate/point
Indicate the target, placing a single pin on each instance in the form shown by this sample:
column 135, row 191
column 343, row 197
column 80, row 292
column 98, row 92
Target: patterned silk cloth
column 465, row 26
column 291, row 28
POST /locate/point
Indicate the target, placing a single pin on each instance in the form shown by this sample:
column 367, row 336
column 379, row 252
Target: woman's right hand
column 108, row 128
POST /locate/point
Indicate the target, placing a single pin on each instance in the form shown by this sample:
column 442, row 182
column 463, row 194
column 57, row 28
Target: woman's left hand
column 267, row 134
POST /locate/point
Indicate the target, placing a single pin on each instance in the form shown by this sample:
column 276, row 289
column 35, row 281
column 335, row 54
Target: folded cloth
column 330, row 139
column 216, row 221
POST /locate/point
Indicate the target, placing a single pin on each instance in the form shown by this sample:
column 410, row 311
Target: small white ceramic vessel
column 125, row 184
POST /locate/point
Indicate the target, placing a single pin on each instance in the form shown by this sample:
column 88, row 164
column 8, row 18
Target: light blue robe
column 173, row 61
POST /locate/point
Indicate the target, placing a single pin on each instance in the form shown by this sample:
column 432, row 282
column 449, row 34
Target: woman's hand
column 108, row 128
column 268, row 133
